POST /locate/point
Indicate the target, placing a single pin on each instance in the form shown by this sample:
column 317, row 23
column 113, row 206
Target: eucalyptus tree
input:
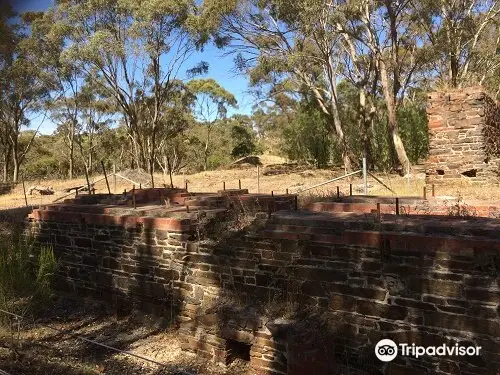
column 22, row 91
column 465, row 36
column 389, row 32
column 290, row 47
column 96, row 116
column 179, row 117
column 360, row 70
column 62, row 76
column 8, row 41
column 136, row 49
column 211, row 104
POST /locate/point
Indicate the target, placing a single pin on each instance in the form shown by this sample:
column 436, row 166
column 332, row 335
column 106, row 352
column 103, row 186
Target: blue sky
column 220, row 69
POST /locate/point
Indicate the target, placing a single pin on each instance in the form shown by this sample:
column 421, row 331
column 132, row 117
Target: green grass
column 26, row 273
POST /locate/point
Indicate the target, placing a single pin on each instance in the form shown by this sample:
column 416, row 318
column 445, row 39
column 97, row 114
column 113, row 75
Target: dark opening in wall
column 237, row 350
column 440, row 172
column 470, row 173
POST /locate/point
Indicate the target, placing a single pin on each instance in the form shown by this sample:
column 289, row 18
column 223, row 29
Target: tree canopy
column 334, row 81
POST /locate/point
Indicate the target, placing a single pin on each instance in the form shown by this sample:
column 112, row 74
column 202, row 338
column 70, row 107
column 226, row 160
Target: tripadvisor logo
column 386, row 350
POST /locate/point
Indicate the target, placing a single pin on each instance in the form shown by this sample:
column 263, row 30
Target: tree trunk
column 207, row 142
column 152, row 156
column 152, row 172
column 70, row 169
column 164, row 167
column 341, row 139
column 90, row 162
column 71, row 145
column 136, row 159
column 454, row 70
column 15, row 158
column 15, row 174
column 364, row 123
column 391, row 117
column 5, row 171
column 6, row 163
column 170, row 172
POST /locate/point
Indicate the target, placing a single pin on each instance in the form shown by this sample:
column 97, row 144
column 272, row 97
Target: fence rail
column 330, row 181
column 365, row 173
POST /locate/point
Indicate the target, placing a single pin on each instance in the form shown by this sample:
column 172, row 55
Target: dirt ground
column 274, row 175
column 40, row 350
column 32, row 348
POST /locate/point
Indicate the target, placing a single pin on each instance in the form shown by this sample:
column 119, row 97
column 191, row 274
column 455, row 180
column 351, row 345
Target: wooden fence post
column 25, row 197
column 105, row 177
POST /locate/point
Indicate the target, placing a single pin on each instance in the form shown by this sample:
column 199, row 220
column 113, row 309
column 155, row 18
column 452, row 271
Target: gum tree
column 136, row 50
column 290, row 47
column 211, row 104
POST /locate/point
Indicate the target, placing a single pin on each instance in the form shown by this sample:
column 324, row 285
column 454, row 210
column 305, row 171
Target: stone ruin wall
column 464, row 136
column 296, row 293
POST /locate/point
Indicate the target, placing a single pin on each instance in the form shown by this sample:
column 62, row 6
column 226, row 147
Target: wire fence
column 19, row 318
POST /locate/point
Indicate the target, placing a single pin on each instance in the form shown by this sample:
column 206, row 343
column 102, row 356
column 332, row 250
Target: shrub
column 26, row 274
column 307, row 137
column 243, row 140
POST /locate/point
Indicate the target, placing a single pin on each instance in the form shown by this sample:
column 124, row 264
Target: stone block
column 375, row 309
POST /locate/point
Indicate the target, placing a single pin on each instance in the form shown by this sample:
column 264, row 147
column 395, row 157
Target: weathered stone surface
column 411, row 281
column 464, row 129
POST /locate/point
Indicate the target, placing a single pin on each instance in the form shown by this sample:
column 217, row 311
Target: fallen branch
column 42, row 190
column 128, row 179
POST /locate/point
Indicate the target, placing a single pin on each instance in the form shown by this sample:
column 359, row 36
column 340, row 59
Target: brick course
column 341, row 281
column 464, row 130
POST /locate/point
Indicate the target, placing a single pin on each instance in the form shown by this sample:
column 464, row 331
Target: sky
column 221, row 68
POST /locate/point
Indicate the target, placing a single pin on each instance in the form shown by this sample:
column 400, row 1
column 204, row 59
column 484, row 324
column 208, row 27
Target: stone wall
column 296, row 292
column 464, row 136
column 492, row 127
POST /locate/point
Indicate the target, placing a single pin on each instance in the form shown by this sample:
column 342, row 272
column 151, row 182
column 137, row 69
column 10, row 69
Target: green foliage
column 414, row 130
column 43, row 167
column 229, row 139
column 304, row 133
column 46, row 268
column 243, row 140
column 26, row 274
column 211, row 101
column 220, row 146
column 307, row 137
column 108, row 75
column 45, row 159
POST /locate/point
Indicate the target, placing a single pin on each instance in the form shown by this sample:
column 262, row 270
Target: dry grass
column 212, row 181
column 42, row 350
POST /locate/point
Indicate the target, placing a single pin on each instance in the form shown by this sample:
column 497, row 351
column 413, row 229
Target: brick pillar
column 457, row 140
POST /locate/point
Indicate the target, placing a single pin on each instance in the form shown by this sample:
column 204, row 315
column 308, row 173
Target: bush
column 44, row 167
column 412, row 120
column 26, row 274
column 243, row 140
column 307, row 137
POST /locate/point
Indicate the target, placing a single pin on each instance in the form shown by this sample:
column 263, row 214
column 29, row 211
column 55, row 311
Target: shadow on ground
column 40, row 350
